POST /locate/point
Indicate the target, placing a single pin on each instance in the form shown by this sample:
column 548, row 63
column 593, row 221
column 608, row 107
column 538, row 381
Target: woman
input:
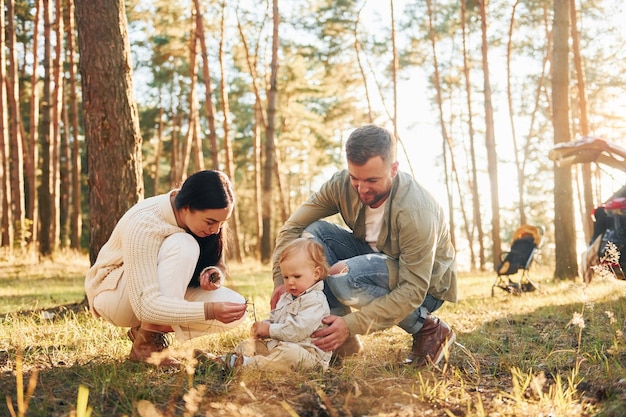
column 161, row 269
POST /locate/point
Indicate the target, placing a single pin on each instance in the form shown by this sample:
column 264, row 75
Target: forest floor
column 559, row 351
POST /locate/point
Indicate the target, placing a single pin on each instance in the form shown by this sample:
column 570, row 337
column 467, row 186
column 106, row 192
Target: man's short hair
column 370, row 141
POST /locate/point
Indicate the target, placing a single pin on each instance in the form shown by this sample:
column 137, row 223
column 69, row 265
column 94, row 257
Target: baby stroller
column 526, row 240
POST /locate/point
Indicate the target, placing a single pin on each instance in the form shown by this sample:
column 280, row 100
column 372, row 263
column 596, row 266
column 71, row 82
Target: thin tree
column 447, row 148
column 509, row 95
column 228, row 150
column 111, row 120
column 31, row 151
column 46, row 240
column 16, row 171
column 158, row 146
column 75, row 158
column 5, row 187
column 490, row 141
column 259, row 125
column 588, row 203
column 257, row 160
column 192, row 149
column 357, row 51
column 55, row 139
column 394, row 70
column 266, row 239
column 209, row 107
column 478, row 222
column 564, row 231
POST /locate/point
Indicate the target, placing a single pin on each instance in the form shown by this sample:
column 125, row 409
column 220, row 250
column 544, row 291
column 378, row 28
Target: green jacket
column 414, row 235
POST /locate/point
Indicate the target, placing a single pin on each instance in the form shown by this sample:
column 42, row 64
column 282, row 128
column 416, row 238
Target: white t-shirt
column 373, row 223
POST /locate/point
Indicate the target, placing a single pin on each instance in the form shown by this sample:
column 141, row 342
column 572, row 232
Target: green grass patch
column 559, row 351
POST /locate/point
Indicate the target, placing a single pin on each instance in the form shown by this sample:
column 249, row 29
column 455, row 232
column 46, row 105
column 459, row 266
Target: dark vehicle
column 608, row 242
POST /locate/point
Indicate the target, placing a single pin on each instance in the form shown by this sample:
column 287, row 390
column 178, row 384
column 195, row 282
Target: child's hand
column 211, row 278
column 260, row 329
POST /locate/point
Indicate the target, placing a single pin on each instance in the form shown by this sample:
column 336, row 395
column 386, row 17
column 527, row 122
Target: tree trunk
column 47, row 133
column 564, row 231
column 159, row 149
column 490, row 141
column 258, row 195
column 208, row 98
column 588, row 203
column 16, row 172
column 228, row 149
column 509, row 94
column 192, row 150
column 32, row 150
column 357, row 51
column 57, row 108
column 5, row 188
column 76, row 219
column 267, row 244
column 442, row 125
column 478, row 221
column 111, row 120
column 394, row 69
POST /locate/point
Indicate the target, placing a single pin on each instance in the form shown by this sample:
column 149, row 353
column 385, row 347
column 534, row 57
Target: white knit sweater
column 132, row 249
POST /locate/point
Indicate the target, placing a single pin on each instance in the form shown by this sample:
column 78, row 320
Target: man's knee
column 340, row 268
column 314, row 229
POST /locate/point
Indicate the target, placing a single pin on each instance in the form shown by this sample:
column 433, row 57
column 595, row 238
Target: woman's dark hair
column 203, row 190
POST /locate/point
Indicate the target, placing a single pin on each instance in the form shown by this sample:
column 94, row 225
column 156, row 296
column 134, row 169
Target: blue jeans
column 366, row 278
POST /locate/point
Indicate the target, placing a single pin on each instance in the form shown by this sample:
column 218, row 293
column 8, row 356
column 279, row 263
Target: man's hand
column 333, row 336
column 278, row 291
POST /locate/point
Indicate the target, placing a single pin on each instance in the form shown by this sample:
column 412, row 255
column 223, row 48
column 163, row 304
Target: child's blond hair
column 314, row 250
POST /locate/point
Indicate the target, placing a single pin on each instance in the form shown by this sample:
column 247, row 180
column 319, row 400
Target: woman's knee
column 183, row 245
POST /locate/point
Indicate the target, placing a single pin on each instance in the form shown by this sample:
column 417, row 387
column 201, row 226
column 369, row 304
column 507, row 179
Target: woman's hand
column 228, row 312
column 211, row 278
column 260, row 329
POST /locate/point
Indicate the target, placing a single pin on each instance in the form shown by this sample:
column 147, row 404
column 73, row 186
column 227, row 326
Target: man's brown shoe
column 431, row 343
column 146, row 343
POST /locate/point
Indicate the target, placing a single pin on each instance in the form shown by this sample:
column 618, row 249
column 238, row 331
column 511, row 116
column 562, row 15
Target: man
column 395, row 265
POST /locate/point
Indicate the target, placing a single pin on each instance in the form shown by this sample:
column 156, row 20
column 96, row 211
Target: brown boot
column 146, row 343
column 132, row 333
column 430, row 343
column 351, row 347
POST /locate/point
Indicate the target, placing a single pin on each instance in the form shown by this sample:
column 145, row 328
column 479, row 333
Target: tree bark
column 5, row 188
column 509, row 94
column 228, row 149
column 45, row 138
column 16, row 171
column 490, row 141
column 588, row 203
column 478, row 222
column 209, row 108
column 55, row 142
column 111, row 121
column 76, row 219
column 564, row 231
column 267, row 244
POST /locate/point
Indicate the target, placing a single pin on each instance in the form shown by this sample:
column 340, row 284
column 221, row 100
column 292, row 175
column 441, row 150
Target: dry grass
column 557, row 352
